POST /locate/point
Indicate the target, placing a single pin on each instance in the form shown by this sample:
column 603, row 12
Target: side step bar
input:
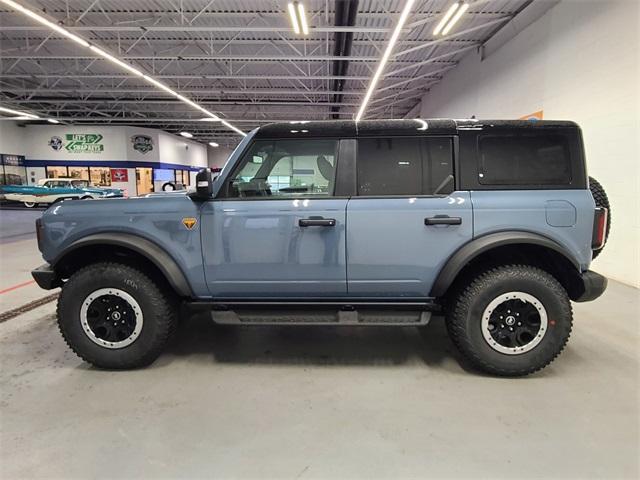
column 304, row 312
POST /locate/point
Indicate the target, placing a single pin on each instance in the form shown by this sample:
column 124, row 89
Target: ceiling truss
column 238, row 58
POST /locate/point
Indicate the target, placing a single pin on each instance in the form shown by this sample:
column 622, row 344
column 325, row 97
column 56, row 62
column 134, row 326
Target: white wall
column 175, row 149
column 218, row 156
column 32, row 141
column 578, row 62
column 11, row 138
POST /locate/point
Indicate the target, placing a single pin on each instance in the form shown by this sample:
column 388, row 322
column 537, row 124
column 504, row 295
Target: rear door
column 407, row 217
column 279, row 230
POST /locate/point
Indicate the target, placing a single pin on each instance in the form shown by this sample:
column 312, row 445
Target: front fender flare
column 151, row 251
column 471, row 250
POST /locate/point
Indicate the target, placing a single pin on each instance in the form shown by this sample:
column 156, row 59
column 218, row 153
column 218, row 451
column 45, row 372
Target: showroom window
column 100, row 176
column 56, row 172
column 183, row 177
column 12, row 170
column 286, row 168
column 524, row 160
column 79, row 172
column 405, row 166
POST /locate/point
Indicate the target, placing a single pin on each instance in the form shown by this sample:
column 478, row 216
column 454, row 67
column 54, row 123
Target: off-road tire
column 467, row 305
column 159, row 310
column 601, row 199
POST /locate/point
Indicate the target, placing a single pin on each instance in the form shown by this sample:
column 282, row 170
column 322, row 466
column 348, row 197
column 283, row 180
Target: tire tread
column 163, row 304
column 462, row 302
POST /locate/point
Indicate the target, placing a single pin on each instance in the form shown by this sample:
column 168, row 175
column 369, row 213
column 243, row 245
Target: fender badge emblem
column 189, row 222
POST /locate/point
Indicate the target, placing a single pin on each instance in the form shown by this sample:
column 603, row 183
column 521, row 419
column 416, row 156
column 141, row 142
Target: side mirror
column 204, row 189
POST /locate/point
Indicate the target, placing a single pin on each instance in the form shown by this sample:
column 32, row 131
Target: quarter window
column 286, row 168
column 405, row 166
column 524, row 160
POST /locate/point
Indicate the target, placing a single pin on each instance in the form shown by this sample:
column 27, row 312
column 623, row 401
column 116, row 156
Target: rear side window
column 405, row 166
column 524, row 160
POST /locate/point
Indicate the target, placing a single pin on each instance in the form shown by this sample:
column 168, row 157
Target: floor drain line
column 8, row 315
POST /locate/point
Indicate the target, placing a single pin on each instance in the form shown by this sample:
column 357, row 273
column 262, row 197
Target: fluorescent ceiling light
column 52, row 120
column 303, row 20
column 455, row 18
column 118, row 62
column 40, row 19
column 19, row 113
column 385, row 57
column 186, row 134
column 445, row 19
column 214, row 144
column 294, row 18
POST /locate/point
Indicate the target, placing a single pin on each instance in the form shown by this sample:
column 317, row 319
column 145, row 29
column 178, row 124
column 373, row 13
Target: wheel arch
column 510, row 247
column 110, row 246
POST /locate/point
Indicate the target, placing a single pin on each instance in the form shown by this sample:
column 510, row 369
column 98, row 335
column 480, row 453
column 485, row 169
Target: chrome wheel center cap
column 510, row 320
column 116, row 316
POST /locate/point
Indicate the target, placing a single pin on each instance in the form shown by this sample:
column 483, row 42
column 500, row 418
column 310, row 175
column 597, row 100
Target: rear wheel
column 511, row 321
column 114, row 316
column 601, row 199
column 29, row 204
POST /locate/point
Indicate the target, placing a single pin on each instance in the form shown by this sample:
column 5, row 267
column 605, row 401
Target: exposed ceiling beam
column 262, row 58
column 196, row 29
column 101, row 76
column 208, row 91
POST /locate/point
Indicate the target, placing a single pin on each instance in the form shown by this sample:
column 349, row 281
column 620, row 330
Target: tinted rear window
column 405, row 166
column 524, row 160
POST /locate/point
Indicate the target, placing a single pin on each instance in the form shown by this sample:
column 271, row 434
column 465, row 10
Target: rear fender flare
column 476, row 247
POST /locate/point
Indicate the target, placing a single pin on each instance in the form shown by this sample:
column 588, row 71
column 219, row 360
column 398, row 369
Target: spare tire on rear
column 601, row 199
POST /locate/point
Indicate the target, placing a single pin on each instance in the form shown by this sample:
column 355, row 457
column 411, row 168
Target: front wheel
column 29, row 204
column 511, row 321
column 114, row 316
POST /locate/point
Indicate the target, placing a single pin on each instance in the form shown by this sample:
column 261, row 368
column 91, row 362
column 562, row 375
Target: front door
column 407, row 218
column 278, row 231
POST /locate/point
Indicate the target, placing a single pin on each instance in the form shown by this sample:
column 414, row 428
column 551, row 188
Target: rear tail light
column 599, row 228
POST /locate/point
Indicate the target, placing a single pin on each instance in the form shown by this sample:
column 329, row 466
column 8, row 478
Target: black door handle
column 317, row 222
column 443, row 220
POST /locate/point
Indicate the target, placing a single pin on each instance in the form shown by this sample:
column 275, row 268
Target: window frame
column 223, row 193
column 469, row 159
column 566, row 146
column 454, row 165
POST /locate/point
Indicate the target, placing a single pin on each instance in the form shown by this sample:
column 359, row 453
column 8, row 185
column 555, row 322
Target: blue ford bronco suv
column 492, row 224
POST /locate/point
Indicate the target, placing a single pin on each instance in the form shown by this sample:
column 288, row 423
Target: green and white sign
column 84, row 143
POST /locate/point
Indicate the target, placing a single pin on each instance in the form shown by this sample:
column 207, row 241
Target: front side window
column 57, row 184
column 286, row 168
column 405, row 166
column 524, row 160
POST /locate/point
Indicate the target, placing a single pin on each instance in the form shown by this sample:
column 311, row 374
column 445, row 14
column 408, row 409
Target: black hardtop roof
column 349, row 128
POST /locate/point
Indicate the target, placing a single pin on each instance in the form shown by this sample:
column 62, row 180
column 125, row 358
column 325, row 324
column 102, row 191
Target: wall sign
column 119, row 175
column 16, row 160
column 84, row 143
column 55, row 143
column 533, row 116
column 142, row 143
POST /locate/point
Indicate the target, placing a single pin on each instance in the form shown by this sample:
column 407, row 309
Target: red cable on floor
column 15, row 287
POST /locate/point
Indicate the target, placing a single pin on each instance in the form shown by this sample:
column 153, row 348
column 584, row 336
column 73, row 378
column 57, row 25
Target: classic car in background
column 53, row 190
